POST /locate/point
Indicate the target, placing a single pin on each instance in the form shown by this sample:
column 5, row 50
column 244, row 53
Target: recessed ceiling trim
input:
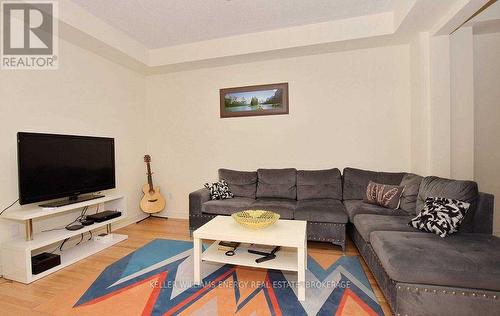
column 299, row 36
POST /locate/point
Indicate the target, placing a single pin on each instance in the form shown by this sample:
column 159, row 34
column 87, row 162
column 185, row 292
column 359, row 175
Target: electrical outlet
column 170, row 196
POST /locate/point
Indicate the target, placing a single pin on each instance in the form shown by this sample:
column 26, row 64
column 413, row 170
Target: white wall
column 88, row 95
column 462, row 103
column 420, row 104
column 430, row 105
column 487, row 117
column 346, row 109
column 440, row 107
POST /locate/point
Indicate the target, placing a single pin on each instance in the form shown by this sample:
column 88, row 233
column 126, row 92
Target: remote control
column 266, row 258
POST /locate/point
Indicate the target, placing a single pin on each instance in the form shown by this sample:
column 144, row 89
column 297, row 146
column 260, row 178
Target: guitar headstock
column 147, row 158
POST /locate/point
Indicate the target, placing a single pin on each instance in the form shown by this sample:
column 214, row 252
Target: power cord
column 81, row 239
column 78, row 219
column 62, row 244
column 9, row 206
column 52, row 229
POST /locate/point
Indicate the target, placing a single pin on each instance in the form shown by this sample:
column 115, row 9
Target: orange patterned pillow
column 385, row 195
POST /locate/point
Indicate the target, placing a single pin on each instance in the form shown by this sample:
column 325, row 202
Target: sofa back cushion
column 277, row 183
column 319, row 184
column 462, row 190
column 241, row 183
column 411, row 182
column 356, row 181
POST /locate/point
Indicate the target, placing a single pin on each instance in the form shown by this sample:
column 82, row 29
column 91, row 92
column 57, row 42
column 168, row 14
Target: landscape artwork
column 269, row 99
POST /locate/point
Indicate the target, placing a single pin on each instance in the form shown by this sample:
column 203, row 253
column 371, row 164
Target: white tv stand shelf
column 17, row 253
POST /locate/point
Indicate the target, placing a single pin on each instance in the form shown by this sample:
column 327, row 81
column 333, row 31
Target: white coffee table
column 289, row 234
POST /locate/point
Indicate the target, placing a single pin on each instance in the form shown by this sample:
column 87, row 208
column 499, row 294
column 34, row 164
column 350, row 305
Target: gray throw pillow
column 411, row 183
column 384, row 195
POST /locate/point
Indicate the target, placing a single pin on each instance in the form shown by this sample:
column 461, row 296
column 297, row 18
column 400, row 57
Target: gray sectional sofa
column 419, row 273
column 313, row 196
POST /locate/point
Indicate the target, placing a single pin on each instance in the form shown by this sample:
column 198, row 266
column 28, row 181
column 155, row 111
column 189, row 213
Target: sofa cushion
column 465, row 191
column 411, row 182
column 356, row 181
column 354, row 208
column 461, row 260
column 284, row 207
column 226, row 207
column 323, row 211
column 368, row 223
column 351, row 205
column 241, row 183
column 277, row 183
column 319, row 184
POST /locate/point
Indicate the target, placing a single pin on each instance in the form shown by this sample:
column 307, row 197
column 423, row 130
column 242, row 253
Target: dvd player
column 104, row 216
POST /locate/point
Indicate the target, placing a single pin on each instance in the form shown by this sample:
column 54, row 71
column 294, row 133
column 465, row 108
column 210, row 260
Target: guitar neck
column 150, row 177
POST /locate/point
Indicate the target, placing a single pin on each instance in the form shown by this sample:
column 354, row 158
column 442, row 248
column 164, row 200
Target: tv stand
column 71, row 200
column 17, row 252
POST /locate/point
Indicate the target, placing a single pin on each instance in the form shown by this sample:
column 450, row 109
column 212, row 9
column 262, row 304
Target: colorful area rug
column 157, row 280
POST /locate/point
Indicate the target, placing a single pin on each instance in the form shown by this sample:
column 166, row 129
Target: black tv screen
column 55, row 166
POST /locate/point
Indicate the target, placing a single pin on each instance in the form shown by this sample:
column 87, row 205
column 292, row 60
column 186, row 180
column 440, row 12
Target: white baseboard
column 130, row 220
column 173, row 214
column 138, row 217
column 177, row 214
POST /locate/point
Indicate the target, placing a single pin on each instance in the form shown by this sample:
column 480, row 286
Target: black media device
column 87, row 222
column 54, row 166
column 104, row 216
column 44, row 261
column 74, row 227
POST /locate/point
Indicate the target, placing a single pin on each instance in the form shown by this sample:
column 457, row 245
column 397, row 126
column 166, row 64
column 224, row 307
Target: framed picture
column 268, row 99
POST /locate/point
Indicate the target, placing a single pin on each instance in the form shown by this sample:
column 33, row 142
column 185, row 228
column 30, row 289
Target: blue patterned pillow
column 440, row 216
column 219, row 190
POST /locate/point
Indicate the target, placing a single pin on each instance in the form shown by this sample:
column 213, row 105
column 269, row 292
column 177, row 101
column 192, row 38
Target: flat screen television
column 55, row 166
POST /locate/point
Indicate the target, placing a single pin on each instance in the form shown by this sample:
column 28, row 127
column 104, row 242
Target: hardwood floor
column 21, row 299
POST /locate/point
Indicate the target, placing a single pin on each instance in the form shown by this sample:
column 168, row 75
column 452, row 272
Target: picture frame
column 257, row 100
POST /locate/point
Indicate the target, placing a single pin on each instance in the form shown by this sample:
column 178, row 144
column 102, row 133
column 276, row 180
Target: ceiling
column 162, row 23
column 487, row 20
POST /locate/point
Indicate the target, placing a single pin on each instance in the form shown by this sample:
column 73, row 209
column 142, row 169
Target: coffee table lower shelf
column 286, row 258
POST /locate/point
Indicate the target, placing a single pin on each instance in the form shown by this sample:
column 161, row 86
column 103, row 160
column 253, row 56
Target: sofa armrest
column 483, row 216
column 196, row 199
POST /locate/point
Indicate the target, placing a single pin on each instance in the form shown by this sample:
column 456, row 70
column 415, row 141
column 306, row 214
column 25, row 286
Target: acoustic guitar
column 152, row 201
